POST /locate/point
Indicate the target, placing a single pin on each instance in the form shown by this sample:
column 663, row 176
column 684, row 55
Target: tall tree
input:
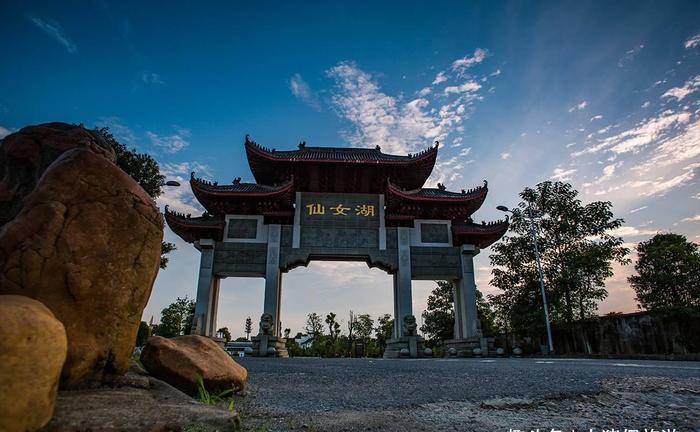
column 363, row 327
column 384, row 330
column 668, row 270
column 314, row 324
column 248, row 327
column 176, row 319
column 145, row 171
column 439, row 316
column 333, row 327
column 577, row 249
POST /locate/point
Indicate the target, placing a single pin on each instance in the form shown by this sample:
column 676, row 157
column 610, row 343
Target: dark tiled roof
column 336, row 154
column 440, row 193
column 237, row 187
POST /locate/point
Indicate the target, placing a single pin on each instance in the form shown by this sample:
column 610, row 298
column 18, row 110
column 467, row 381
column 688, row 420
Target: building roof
column 433, row 203
column 336, row 169
column 482, row 235
column 191, row 228
column 243, row 198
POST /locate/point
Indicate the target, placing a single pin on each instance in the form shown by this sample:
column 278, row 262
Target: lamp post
column 533, row 232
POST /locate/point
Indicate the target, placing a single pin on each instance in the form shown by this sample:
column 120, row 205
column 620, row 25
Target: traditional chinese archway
column 348, row 204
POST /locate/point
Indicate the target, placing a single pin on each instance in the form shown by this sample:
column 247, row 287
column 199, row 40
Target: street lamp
column 533, row 231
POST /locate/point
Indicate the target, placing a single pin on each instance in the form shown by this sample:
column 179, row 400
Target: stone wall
column 640, row 333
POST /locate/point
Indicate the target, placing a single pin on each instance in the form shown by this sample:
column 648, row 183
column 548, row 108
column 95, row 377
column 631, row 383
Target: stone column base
column 412, row 344
column 463, row 347
column 267, row 342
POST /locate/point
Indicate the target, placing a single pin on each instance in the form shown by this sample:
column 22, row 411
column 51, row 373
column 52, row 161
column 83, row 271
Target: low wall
column 638, row 333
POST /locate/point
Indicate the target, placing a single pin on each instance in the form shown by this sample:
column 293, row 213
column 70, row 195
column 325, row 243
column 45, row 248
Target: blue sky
column 605, row 95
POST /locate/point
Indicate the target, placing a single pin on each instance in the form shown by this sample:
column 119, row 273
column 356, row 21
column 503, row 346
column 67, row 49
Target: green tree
column 225, row 333
column 144, row 169
column 286, row 333
column 577, row 250
column 384, row 330
column 668, row 270
column 333, row 327
column 248, row 327
column 439, row 317
column 176, row 319
column 314, row 325
column 364, row 327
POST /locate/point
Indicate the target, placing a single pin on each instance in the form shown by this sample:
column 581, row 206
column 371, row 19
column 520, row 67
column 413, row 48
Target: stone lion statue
column 266, row 324
column 409, row 325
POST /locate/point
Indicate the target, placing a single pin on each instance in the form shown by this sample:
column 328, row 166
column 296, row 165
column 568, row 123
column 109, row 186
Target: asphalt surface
column 312, row 385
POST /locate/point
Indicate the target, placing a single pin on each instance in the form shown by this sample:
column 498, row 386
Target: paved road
column 470, row 395
column 309, row 385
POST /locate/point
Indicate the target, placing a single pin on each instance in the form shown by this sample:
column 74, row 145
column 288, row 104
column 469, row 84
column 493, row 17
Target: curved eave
column 475, row 195
column 206, row 189
column 429, row 154
column 265, row 166
column 479, row 235
column 192, row 229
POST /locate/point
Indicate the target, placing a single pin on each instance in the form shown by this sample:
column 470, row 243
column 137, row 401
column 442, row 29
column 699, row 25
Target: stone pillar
column 403, row 301
column 464, row 289
column 203, row 318
column 467, row 334
column 273, row 278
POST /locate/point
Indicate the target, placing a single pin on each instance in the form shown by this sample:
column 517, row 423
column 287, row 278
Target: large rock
column 25, row 155
column 179, row 361
column 32, row 352
column 87, row 244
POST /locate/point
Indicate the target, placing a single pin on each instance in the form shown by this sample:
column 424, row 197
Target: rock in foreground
column 148, row 404
column 86, row 244
column 32, row 352
column 179, row 361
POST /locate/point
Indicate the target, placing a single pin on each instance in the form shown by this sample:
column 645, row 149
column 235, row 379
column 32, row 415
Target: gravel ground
column 470, row 394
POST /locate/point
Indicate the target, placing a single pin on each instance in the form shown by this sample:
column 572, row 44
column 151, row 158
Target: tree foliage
column 176, row 319
column 248, row 327
column 576, row 249
column 668, row 270
column 144, row 169
column 384, row 330
column 314, row 324
column 439, row 317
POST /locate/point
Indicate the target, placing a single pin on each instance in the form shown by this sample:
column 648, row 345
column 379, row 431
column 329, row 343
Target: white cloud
column 301, row 90
column 395, row 125
column 505, row 155
column 54, row 30
column 578, row 107
column 661, row 186
column 181, row 198
column 596, row 117
column 151, row 78
column 638, row 209
column 121, row 132
column 680, row 148
column 628, row 231
column 439, row 78
column 172, row 143
column 692, row 42
column 561, row 174
column 695, row 218
column 425, row 91
column 643, row 134
column 646, row 104
column 467, row 87
column 497, row 72
column 460, row 65
column 691, row 86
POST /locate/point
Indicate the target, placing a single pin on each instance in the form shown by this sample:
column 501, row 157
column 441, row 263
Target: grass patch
column 206, row 397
